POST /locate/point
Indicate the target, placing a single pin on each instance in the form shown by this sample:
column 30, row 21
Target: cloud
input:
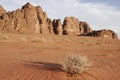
column 99, row 16
column 108, row 2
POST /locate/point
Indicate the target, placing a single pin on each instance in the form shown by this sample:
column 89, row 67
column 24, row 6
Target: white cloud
column 99, row 16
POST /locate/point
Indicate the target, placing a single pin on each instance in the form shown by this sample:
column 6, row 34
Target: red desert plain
column 37, row 57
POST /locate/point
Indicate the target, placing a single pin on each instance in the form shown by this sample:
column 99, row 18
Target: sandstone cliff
column 72, row 26
column 2, row 10
column 84, row 28
column 32, row 19
column 57, row 27
column 28, row 19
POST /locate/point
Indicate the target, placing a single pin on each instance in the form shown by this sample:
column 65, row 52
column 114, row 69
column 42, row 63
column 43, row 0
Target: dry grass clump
column 76, row 64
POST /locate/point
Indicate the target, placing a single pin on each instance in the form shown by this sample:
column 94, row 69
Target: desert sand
column 38, row 57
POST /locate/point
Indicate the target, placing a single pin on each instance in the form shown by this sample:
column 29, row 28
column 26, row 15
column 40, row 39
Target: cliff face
column 2, row 10
column 32, row 19
column 72, row 26
column 28, row 19
column 84, row 28
column 57, row 27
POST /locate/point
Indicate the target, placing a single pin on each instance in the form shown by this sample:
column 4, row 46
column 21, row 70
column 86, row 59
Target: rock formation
column 57, row 27
column 84, row 28
column 72, row 26
column 103, row 34
column 30, row 19
column 2, row 10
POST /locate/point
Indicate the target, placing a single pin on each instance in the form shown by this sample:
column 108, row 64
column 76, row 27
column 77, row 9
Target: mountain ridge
column 32, row 19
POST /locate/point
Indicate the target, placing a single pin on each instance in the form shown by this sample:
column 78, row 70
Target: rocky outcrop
column 2, row 10
column 103, row 34
column 57, row 27
column 84, row 28
column 31, row 19
column 28, row 19
column 45, row 24
column 72, row 26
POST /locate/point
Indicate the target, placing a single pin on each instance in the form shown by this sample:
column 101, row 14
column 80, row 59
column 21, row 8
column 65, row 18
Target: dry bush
column 75, row 64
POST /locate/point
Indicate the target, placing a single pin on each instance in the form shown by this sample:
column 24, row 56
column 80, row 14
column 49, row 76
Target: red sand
column 36, row 57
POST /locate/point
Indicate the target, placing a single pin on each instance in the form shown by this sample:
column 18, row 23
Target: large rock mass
column 84, row 28
column 103, row 34
column 2, row 10
column 32, row 19
column 28, row 19
column 72, row 26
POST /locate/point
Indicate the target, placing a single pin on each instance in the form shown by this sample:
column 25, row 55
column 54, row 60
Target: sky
column 100, row 14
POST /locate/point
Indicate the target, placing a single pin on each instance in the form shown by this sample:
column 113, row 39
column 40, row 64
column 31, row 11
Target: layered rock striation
column 32, row 19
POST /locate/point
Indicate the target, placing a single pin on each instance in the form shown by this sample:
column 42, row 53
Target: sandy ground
column 37, row 57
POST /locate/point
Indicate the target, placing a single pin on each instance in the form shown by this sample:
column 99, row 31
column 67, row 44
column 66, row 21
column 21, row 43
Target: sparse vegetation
column 76, row 64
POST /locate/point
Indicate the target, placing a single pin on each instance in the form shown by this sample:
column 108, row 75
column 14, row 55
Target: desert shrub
column 75, row 64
